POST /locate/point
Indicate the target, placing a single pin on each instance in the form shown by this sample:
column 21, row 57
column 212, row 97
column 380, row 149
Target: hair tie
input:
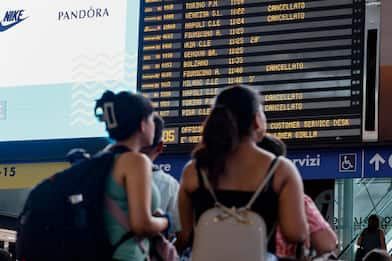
column 104, row 110
column 109, row 116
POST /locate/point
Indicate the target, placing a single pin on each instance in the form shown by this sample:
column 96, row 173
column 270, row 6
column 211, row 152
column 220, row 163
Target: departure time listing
column 303, row 57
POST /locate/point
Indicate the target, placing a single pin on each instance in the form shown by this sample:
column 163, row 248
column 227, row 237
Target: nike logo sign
column 6, row 27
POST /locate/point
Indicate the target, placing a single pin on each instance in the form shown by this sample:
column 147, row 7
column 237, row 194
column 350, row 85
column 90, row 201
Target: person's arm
column 323, row 238
column 137, row 169
column 382, row 240
column 323, row 241
column 292, row 219
column 187, row 186
column 172, row 206
column 360, row 239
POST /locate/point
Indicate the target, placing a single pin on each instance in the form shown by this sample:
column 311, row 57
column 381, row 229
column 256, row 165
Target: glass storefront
column 354, row 201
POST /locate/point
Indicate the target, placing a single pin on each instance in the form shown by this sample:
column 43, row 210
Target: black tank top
column 266, row 204
column 371, row 240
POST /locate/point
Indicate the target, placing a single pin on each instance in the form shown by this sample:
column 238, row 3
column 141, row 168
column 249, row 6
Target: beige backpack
column 231, row 234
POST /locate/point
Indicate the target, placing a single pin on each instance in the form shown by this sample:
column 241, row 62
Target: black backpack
column 63, row 216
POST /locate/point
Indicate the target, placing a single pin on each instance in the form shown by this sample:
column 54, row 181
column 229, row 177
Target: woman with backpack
column 129, row 121
column 229, row 164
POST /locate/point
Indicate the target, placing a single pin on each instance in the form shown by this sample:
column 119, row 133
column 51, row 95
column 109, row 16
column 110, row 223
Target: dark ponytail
column 220, row 138
column 122, row 113
column 230, row 120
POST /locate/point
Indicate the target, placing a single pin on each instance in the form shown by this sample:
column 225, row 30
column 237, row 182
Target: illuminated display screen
column 305, row 58
column 57, row 58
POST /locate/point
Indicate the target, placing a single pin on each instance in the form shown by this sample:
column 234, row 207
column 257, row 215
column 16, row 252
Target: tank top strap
column 268, row 186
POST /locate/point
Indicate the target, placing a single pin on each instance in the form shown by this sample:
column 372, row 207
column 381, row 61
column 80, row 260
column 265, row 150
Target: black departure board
column 305, row 58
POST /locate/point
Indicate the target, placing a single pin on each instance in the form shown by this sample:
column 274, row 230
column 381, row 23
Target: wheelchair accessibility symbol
column 348, row 162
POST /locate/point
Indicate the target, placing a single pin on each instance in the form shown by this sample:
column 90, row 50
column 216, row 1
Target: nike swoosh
column 6, row 27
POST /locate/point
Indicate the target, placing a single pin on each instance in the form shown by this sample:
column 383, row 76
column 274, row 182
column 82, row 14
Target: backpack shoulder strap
column 269, row 175
column 208, row 186
column 199, row 177
column 109, row 151
column 228, row 211
column 117, row 213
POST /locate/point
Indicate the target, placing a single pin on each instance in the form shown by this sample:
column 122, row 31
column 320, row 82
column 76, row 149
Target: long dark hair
column 373, row 223
column 230, row 120
column 122, row 113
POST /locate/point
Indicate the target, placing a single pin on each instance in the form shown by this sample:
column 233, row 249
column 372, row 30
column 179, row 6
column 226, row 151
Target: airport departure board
column 305, row 58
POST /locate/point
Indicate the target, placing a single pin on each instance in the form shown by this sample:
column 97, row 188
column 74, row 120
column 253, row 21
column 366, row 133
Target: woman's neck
column 243, row 148
column 133, row 143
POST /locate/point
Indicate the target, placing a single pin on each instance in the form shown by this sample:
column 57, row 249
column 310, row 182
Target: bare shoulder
column 286, row 172
column 287, row 165
column 189, row 179
column 130, row 162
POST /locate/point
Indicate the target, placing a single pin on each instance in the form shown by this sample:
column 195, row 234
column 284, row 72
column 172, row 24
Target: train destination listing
column 305, row 58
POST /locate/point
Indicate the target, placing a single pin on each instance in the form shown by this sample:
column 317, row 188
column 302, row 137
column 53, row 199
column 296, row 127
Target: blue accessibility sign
column 328, row 164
